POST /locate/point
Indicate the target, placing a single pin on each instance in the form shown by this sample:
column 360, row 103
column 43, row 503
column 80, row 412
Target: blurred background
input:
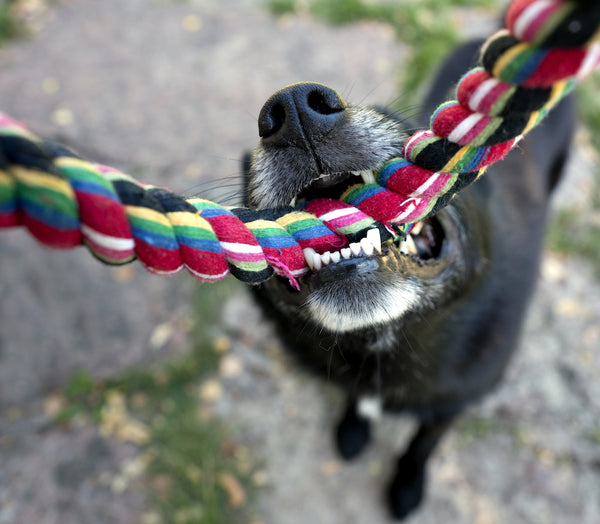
column 125, row 397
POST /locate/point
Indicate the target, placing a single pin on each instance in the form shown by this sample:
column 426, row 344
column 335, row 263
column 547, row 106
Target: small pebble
column 331, row 468
column 230, row 366
column 211, row 390
column 192, row 23
column 62, row 117
column 50, row 85
column 236, row 495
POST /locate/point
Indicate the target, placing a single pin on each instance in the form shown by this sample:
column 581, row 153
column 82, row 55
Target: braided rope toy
column 66, row 201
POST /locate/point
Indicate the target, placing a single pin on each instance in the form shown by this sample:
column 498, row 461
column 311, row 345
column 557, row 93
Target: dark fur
column 453, row 346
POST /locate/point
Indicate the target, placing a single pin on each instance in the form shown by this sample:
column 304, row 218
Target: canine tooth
column 417, row 228
column 309, row 253
column 293, row 202
column 335, row 257
column 355, row 248
column 411, row 247
column 367, row 247
column 326, row 258
column 368, row 177
column 346, row 252
column 316, row 262
column 374, row 236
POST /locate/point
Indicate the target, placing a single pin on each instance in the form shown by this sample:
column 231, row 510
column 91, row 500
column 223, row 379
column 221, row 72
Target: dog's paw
column 352, row 435
column 407, row 489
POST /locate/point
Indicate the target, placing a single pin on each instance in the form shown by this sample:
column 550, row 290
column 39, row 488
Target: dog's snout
column 300, row 112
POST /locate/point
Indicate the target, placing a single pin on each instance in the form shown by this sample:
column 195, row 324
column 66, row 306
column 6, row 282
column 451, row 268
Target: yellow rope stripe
column 145, row 213
column 508, row 57
column 185, row 219
column 38, row 179
column 455, row 159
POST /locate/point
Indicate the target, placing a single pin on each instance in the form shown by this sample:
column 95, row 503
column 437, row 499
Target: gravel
column 169, row 92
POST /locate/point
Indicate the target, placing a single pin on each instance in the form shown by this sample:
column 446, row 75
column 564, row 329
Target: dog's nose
column 300, row 113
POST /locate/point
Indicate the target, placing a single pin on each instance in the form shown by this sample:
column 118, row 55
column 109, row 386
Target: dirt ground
column 170, row 92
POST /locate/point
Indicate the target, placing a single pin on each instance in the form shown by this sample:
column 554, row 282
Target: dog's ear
column 246, row 161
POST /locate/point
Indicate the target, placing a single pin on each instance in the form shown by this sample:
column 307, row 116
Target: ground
column 170, row 92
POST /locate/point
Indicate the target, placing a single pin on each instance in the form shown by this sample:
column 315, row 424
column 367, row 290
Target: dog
column 426, row 325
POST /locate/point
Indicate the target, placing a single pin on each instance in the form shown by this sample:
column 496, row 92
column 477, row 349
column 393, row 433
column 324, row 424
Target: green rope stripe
column 65, row 201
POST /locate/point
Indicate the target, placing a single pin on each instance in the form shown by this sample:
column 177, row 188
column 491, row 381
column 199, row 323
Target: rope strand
column 65, row 201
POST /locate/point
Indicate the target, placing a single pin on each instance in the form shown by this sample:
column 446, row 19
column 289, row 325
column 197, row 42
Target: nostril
column 325, row 103
column 271, row 120
column 299, row 114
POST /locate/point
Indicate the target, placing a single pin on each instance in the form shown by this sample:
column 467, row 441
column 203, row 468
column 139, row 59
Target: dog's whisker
column 207, row 185
column 235, row 198
column 368, row 94
column 426, row 322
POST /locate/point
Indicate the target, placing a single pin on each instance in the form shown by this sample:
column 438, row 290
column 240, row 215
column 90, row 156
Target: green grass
column 281, row 7
column 593, row 436
column 429, row 30
column 10, row 26
column 426, row 26
column 572, row 233
column 577, row 231
column 474, row 427
column 589, row 107
column 188, row 454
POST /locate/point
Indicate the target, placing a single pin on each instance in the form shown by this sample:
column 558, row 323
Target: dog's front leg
column 353, row 431
column 407, row 487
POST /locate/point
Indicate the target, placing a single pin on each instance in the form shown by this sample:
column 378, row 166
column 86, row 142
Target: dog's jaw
column 369, row 292
column 307, row 152
column 341, row 308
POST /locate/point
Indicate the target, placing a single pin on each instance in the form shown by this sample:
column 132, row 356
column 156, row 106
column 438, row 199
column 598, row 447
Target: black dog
column 427, row 325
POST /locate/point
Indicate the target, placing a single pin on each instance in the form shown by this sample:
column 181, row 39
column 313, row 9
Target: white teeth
column 417, row 228
column 408, row 247
column 317, row 262
column 355, row 248
column 367, row 247
column 374, row 237
column 410, row 244
column 309, row 253
column 293, row 202
column 368, row 177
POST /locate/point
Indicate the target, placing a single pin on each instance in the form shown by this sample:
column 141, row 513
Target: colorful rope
column 66, row 201
column 523, row 76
